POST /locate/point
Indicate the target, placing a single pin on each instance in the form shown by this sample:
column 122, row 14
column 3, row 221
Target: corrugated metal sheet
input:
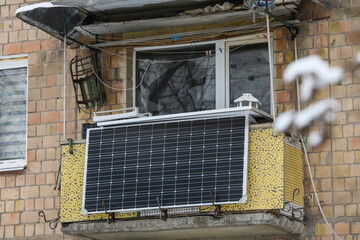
column 294, row 174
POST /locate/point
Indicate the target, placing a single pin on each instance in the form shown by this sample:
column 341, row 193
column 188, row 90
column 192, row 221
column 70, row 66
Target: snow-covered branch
column 316, row 75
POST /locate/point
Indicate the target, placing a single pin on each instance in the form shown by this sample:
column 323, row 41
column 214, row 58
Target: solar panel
column 178, row 162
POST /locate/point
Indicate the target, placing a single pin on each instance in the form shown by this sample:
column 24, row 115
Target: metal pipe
column 271, row 69
column 64, row 86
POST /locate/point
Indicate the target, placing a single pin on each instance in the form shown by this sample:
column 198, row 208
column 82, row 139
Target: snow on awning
column 35, row 6
column 56, row 20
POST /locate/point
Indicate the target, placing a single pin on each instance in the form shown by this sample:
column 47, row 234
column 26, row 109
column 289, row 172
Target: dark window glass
column 177, row 80
column 249, row 73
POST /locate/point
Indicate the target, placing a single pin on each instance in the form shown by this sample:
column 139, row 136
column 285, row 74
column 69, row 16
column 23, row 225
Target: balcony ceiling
column 74, row 18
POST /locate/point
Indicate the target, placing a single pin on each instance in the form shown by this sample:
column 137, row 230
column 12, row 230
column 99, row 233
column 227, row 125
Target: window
column 202, row 76
column 248, row 72
column 13, row 112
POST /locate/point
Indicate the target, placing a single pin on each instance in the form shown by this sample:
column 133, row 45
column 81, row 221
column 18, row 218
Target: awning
column 73, row 18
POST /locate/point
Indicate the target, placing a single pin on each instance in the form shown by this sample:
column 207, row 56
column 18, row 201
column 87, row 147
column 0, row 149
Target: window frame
column 13, row 62
column 222, row 76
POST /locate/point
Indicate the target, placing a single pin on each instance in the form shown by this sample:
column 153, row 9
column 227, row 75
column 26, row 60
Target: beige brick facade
column 24, row 193
column 333, row 33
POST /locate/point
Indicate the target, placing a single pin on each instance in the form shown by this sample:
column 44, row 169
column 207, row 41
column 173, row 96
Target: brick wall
column 334, row 35
column 24, row 193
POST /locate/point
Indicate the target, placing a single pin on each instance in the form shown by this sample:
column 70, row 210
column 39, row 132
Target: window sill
column 12, row 165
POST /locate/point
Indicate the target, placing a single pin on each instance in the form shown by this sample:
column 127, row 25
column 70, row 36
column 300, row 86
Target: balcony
column 273, row 203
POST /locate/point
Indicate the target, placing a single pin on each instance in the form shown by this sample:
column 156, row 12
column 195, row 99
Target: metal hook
column 295, row 193
column 53, row 222
column 308, row 197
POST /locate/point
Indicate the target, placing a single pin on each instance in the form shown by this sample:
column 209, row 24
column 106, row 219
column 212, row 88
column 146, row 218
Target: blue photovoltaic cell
column 180, row 162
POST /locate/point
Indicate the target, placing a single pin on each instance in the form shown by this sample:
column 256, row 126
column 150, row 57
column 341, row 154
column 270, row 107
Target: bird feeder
column 247, row 100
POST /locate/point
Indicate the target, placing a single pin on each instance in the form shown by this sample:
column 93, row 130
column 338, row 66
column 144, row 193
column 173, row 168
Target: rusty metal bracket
column 217, row 208
column 163, row 212
column 296, row 212
column 307, row 199
column 111, row 216
column 53, row 222
column 322, row 204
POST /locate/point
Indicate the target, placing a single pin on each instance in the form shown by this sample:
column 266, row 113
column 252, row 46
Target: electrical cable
column 315, row 192
column 172, row 61
column 150, row 62
column 307, row 157
column 119, row 89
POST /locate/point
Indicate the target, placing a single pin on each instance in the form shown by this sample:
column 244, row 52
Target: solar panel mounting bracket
column 111, row 216
column 118, row 114
column 217, row 208
column 163, row 212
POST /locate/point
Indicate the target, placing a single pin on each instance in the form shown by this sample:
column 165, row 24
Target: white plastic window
column 201, row 76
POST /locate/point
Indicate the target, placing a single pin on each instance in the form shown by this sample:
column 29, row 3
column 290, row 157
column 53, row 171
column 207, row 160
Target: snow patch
column 284, row 121
column 315, row 139
column 316, row 74
column 35, row 6
column 317, row 111
column 293, row 123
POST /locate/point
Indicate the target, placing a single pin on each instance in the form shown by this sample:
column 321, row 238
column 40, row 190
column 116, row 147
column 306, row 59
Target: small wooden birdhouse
column 247, row 100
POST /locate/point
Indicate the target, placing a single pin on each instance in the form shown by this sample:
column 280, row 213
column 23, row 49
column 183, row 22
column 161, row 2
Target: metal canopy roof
column 89, row 17
column 170, row 22
column 131, row 6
